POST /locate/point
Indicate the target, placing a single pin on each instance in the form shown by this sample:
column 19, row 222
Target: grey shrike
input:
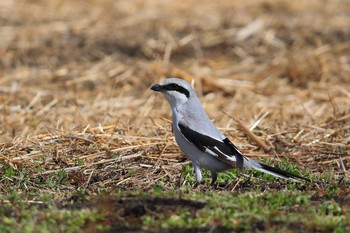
column 200, row 140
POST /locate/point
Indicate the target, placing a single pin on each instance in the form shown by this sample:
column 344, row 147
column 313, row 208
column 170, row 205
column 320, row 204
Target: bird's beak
column 156, row 87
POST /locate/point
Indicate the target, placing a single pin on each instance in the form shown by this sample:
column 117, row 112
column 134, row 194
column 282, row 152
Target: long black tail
column 280, row 173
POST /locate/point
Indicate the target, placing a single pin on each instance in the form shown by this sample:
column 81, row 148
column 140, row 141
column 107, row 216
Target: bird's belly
column 204, row 160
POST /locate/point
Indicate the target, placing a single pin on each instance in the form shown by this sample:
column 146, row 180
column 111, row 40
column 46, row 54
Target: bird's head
column 176, row 91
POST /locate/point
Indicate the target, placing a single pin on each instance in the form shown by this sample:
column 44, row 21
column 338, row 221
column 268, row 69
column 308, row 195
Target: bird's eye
column 172, row 86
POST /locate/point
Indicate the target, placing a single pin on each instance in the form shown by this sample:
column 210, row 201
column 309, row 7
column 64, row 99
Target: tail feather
column 280, row 173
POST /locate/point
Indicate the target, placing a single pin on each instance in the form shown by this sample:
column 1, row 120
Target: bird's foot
column 214, row 185
column 196, row 184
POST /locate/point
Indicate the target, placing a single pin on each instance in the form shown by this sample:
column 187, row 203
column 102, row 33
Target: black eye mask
column 176, row 87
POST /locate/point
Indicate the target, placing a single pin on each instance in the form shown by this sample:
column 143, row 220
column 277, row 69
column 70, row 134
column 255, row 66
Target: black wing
column 223, row 150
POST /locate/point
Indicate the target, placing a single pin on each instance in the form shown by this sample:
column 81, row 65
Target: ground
column 85, row 146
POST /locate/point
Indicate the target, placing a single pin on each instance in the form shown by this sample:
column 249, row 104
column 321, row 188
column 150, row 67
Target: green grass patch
column 251, row 211
column 258, row 202
column 20, row 215
column 185, row 208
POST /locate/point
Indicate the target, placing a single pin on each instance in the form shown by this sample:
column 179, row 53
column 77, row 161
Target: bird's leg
column 197, row 173
column 214, row 176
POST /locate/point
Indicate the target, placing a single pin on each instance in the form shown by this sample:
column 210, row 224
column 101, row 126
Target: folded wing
column 224, row 150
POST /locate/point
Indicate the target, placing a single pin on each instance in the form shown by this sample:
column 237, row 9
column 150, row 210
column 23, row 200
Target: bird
column 201, row 141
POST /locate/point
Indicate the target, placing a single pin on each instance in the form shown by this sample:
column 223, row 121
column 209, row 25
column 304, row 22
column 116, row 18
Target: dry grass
column 75, row 78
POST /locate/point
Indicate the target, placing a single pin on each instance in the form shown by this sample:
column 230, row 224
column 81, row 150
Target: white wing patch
column 215, row 151
column 211, row 152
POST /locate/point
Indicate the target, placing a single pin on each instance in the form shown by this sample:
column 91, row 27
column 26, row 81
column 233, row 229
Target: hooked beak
column 157, row 87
